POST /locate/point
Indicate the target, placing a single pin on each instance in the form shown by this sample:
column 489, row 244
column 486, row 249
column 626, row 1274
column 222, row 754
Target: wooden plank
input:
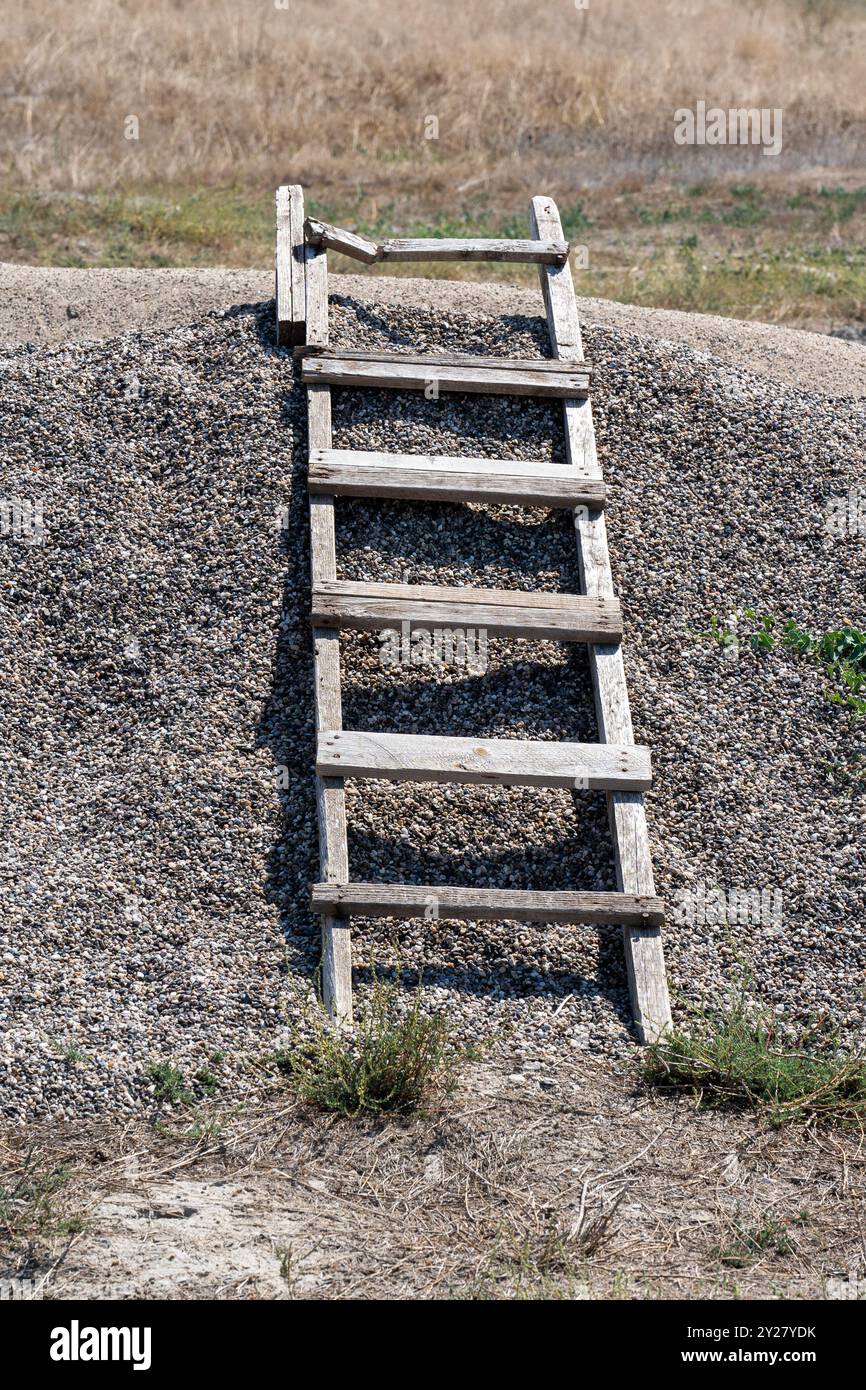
column 299, row 299
column 498, row 612
column 316, row 288
column 477, row 249
column 336, row 239
column 452, row 463
column 485, row 904
column 440, row 359
column 507, row 378
column 419, row 478
column 513, row 762
column 283, row 268
column 643, row 946
column 289, row 264
column 330, row 794
column 549, row 599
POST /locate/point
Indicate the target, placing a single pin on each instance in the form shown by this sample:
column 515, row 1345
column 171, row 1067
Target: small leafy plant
column 841, row 651
column 397, row 1060
column 169, row 1083
column 849, row 773
column 733, row 1059
column 762, row 639
column 206, row 1082
column 723, row 634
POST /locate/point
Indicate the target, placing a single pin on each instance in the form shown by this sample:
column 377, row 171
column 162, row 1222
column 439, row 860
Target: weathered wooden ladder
column 615, row 765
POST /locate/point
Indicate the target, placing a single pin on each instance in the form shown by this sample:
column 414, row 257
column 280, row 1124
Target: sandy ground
column 41, row 305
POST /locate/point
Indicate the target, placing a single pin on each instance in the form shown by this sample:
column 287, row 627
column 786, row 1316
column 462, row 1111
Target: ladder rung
column 478, row 249
column 515, row 762
column 498, row 904
column 540, row 616
column 441, row 478
column 435, row 248
column 441, row 359
column 437, row 372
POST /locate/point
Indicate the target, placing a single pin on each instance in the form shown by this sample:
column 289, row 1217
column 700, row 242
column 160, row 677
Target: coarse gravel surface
column 157, row 723
column 59, row 304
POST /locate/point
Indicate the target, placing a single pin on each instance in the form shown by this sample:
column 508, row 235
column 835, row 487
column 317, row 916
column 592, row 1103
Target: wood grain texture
column 337, row 239
column 396, row 373
column 480, row 904
column 512, row 762
column 439, row 478
column 643, row 946
column 298, row 259
column 330, row 793
column 316, row 289
column 550, row 599
column 498, row 612
column 283, row 268
column 441, row 359
column 469, row 249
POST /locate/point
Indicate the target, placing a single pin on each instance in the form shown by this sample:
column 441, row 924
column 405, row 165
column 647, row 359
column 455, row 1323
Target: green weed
column 733, row 1059
column 397, row 1060
column 169, row 1083
column 749, row 1243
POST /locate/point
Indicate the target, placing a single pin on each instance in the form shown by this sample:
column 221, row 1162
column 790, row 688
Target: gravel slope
column 59, row 304
column 158, row 808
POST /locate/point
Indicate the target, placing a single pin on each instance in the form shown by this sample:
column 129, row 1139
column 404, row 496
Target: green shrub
column 732, row 1060
column 396, row 1060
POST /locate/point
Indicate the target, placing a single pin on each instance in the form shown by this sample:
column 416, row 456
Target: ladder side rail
column 643, row 945
column 330, row 792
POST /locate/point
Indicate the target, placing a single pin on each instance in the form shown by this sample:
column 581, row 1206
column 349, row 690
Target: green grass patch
column 208, row 226
column 473, row 220
column 808, row 279
column 832, row 204
column 766, row 251
column 398, row 1060
column 733, row 1059
column 156, row 228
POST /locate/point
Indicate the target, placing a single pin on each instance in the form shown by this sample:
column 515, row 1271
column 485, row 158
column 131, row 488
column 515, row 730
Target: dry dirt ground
column 581, row 1185
column 523, row 1185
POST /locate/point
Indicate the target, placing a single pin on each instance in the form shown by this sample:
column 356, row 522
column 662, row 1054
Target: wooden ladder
column 615, row 765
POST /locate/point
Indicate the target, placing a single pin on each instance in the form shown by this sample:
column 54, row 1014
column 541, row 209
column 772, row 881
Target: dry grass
column 336, row 96
column 594, row 1190
column 234, row 97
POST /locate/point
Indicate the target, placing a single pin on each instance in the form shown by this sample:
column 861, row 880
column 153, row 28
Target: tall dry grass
column 336, row 95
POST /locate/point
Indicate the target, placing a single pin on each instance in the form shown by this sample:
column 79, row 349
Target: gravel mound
column 60, row 304
column 158, row 806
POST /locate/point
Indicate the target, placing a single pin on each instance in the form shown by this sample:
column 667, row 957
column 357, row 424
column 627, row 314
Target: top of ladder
column 435, row 248
column 299, row 237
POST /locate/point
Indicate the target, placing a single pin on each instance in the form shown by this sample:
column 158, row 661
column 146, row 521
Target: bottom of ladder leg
column 337, row 969
column 645, row 963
